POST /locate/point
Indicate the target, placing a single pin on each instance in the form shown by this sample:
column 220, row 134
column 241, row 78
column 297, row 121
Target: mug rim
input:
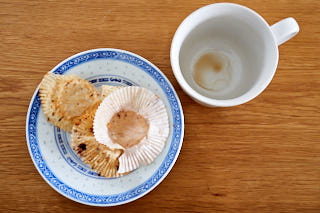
column 248, row 95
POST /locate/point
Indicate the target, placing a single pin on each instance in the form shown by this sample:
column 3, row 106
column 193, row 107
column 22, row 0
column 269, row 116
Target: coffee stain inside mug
column 212, row 71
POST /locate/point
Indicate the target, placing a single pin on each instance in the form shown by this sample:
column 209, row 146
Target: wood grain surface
column 263, row 156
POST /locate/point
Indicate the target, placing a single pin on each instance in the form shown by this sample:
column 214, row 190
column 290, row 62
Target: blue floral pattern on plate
column 161, row 172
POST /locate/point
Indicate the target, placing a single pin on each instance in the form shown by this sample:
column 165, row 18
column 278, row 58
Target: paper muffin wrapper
column 99, row 157
column 150, row 107
column 75, row 96
column 50, row 84
column 107, row 90
column 65, row 98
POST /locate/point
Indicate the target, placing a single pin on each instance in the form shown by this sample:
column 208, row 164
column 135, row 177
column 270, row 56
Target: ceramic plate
column 50, row 147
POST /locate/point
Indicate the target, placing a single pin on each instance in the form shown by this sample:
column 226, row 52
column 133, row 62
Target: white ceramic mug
column 239, row 44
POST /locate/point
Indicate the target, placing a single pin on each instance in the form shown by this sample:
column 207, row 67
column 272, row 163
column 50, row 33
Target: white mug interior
column 242, row 36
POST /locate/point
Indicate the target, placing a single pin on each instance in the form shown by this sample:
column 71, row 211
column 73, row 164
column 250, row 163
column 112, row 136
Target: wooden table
column 263, row 156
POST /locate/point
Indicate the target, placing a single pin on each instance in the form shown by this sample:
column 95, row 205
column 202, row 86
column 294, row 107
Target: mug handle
column 285, row 30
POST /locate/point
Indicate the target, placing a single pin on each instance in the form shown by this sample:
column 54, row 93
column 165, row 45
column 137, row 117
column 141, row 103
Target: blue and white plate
column 50, row 147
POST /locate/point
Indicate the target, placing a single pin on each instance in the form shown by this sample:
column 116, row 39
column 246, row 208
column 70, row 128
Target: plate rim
column 159, row 180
